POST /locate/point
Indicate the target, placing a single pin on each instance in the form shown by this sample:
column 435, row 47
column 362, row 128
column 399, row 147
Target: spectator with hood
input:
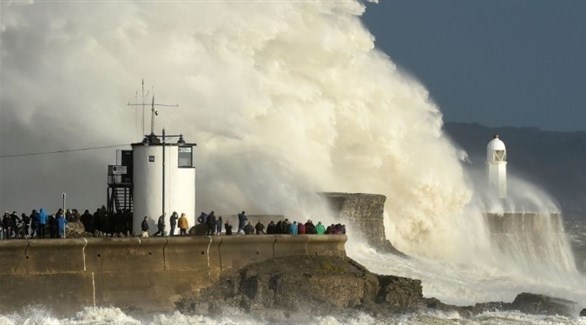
column 61, row 223
column 183, row 225
column 211, row 223
column 242, row 218
column 320, row 229
column 43, row 219
column 160, row 226
column 144, row 226
column 293, row 229
column 173, row 222
column 260, row 228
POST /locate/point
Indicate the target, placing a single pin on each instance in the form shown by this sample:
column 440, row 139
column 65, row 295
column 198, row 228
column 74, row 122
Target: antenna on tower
column 153, row 111
column 141, row 103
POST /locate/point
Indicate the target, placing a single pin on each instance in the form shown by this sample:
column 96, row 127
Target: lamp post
column 63, row 197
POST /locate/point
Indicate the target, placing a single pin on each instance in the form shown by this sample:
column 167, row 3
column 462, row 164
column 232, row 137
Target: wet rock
column 198, row 230
column 400, row 292
column 583, row 312
column 290, row 286
column 490, row 307
column 539, row 304
column 324, row 285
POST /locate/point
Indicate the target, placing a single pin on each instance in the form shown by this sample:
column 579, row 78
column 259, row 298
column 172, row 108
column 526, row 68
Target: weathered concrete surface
column 53, row 290
column 238, row 251
column 366, row 212
column 147, row 274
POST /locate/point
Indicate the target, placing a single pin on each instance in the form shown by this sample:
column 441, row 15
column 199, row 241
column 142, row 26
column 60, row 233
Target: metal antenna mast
column 142, row 103
column 156, row 113
column 153, row 111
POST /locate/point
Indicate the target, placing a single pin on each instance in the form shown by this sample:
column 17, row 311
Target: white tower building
column 496, row 162
column 163, row 180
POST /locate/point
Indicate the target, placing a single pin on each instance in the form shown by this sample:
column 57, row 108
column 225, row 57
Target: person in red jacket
column 301, row 228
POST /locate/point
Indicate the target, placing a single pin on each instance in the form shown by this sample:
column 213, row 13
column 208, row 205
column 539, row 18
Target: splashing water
column 112, row 315
column 284, row 98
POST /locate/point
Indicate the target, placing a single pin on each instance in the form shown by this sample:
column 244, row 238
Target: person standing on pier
column 160, row 226
column 211, row 223
column 242, row 218
column 183, row 225
column 173, row 222
column 145, row 227
column 219, row 226
column 61, row 223
column 43, row 218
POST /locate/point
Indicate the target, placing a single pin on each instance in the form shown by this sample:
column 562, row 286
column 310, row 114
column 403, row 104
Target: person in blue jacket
column 61, row 223
column 43, row 218
column 293, row 228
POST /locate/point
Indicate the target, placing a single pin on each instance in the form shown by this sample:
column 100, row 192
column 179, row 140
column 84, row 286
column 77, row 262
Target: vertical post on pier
column 163, row 212
column 63, row 197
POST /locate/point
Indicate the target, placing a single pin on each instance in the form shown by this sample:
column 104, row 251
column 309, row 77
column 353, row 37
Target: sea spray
column 283, row 98
column 114, row 316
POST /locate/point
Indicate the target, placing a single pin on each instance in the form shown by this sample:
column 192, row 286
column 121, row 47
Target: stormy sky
column 498, row 63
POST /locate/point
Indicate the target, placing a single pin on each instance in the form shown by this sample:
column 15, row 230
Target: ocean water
column 576, row 230
column 113, row 315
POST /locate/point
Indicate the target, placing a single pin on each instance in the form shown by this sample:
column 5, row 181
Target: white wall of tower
column 148, row 186
column 497, row 178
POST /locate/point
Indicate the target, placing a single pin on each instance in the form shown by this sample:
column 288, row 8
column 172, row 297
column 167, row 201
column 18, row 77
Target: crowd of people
column 40, row 224
column 214, row 226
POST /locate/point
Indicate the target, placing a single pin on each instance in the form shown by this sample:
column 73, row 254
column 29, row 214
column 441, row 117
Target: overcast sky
column 498, row 63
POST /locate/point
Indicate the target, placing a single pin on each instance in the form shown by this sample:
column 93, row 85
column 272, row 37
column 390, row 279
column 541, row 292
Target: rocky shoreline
column 301, row 287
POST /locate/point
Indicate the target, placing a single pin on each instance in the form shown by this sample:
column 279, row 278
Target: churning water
column 283, row 98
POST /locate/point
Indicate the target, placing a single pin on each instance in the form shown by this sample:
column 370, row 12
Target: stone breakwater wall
column 144, row 274
column 365, row 212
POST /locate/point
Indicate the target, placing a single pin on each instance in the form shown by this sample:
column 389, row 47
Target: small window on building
column 500, row 155
column 185, row 157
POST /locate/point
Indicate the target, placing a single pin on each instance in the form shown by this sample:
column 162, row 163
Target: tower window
column 500, row 155
column 185, row 157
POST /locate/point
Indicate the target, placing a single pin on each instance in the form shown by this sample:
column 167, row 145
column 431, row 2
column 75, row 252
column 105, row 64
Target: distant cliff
column 555, row 161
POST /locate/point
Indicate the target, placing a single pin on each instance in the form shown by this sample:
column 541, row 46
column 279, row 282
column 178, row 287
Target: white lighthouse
column 496, row 162
column 156, row 177
column 163, row 179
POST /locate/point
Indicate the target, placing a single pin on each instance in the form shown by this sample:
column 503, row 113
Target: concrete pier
column 145, row 274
